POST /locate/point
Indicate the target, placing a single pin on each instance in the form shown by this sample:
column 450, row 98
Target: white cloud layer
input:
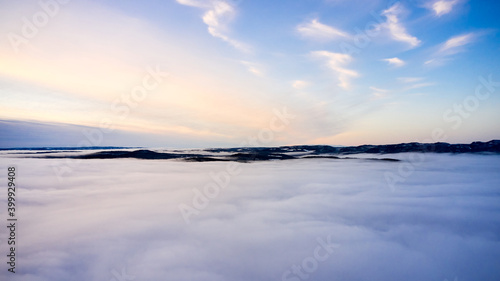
column 119, row 216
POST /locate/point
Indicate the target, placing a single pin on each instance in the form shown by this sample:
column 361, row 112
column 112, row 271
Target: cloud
column 218, row 14
column 442, row 221
column 253, row 68
column 410, row 79
column 336, row 61
column 300, row 84
column 378, row 89
column 396, row 29
column 434, row 62
column 378, row 93
column 451, row 47
column 415, row 83
column 194, row 3
column 443, row 7
column 53, row 134
column 395, row 62
column 320, row 32
column 420, row 85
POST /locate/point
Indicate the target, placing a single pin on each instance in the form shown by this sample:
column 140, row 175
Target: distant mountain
column 438, row 147
column 67, row 148
column 247, row 154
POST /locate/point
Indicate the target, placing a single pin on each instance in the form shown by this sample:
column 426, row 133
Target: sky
column 220, row 73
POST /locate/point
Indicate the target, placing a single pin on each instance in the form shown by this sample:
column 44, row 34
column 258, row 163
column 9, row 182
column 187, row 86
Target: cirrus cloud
column 217, row 16
column 320, row 32
column 396, row 29
column 442, row 7
column 336, row 62
column 396, row 62
column 300, row 84
column 452, row 46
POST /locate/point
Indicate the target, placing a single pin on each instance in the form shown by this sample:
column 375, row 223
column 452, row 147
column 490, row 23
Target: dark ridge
column 42, row 152
column 320, row 156
column 345, row 158
column 259, row 156
column 138, row 154
column 69, row 148
column 384, row 159
column 318, row 149
column 281, row 149
column 439, row 147
column 204, row 159
column 247, row 154
column 148, row 154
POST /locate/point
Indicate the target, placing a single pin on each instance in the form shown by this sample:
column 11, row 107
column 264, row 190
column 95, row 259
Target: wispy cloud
column 410, row 79
column 378, row 89
column 194, row 3
column 451, row 47
column 321, row 32
column 300, row 84
column 411, row 83
column 378, row 93
column 434, row 62
column 420, row 85
column 395, row 62
column 253, row 68
column 218, row 14
column 396, row 29
column 442, row 7
column 336, row 62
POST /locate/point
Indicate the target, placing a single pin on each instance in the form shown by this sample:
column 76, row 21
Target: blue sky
column 217, row 72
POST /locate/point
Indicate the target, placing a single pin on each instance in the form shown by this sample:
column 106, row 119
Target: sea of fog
column 307, row 219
